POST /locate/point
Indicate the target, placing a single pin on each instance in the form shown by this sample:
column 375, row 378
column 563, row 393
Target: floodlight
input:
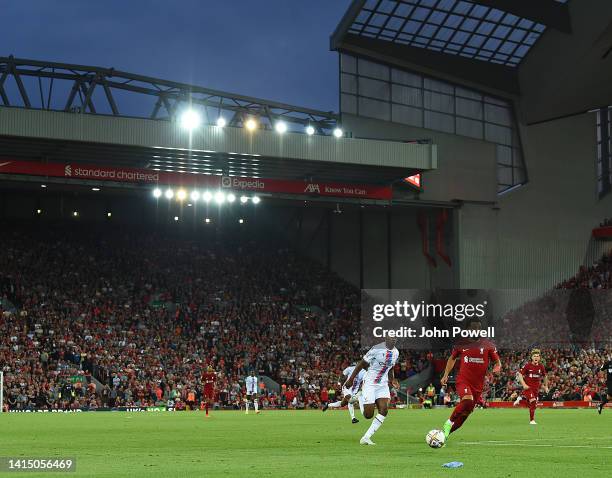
column 190, row 119
column 220, row 197
column 251, row 124
column 281, row 127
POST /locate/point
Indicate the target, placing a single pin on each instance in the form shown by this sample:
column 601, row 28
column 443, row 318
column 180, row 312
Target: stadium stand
column 95, row 317
column 145, row 314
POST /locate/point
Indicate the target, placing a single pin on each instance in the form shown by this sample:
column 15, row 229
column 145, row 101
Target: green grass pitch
column 493, row 443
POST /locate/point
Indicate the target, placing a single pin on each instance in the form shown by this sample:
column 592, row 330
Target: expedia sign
column 242, row 183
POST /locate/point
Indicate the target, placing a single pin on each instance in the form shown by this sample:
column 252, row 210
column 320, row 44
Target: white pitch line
column 539, row 439
column 541, row 445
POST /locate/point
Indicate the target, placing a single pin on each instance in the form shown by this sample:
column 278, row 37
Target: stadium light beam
column 240, row 221
column 157, row 193
column 169, row 194
column 176, row 218
column 195, row 195
column 221, row 122
column 231, row 198
column 338, row 133
column 207, row 220
column 310, row 130
column 244, row 199
column 190, row 120
column 207, row 196
column 256, row 200
column 181, row 194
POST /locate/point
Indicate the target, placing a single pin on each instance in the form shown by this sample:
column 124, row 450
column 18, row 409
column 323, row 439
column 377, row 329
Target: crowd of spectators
column 144, row 314
column 573, row 374
column 573, row 326
column 95, row 317
column 598, row 276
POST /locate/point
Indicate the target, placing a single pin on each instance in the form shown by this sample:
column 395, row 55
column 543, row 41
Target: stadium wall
column 466, row 167
column 531, row 237
column 373, row 247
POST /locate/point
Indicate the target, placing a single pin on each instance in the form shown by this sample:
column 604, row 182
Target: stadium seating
column 122, row 317
column 145, row 314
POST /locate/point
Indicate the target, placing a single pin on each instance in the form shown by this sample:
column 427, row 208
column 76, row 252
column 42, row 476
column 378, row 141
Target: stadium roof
column 489, row 38
column 60, row 112
column 532, row 52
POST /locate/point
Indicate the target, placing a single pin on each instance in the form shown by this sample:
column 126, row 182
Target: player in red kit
column 530, row 377
column 209, row 377
column 474, row 356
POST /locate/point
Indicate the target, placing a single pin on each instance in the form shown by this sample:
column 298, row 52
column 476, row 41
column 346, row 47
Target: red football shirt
column 533, row 375
column 209, row 380
column 474, row 358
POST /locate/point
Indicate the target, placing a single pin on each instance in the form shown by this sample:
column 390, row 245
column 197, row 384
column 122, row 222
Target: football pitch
column 493, row 443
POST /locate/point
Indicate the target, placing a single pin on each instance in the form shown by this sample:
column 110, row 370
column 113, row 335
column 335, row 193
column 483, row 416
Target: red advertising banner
column 149, row 176
column 547, row 404
column 602, row 232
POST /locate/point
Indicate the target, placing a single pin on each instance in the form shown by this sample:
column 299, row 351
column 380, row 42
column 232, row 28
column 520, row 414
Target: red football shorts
column 530, row 394
column 464, row 389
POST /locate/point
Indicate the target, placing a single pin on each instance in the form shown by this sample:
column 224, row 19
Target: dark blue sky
column 273, row 49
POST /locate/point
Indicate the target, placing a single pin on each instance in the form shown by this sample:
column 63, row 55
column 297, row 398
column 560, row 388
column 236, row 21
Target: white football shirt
column 251, row 385
column 381, row 359
column 358, row 379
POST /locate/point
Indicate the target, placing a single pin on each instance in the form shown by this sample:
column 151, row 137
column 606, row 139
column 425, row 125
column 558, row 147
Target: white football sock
column 361, row 403
column 247, row 406
column 256, row 403
column 351, row 408
column 335, row 404
column 376, row 423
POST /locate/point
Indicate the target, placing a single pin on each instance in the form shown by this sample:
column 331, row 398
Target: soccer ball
column 435, row 438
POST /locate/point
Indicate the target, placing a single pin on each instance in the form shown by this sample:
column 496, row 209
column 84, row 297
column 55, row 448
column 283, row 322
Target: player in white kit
column 375, row 393
column 349, row 395
column 251, row 392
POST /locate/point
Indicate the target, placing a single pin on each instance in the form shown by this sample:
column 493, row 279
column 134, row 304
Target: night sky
column 272, row 49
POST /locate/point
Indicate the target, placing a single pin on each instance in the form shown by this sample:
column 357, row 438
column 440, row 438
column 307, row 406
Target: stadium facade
column 463, row 96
